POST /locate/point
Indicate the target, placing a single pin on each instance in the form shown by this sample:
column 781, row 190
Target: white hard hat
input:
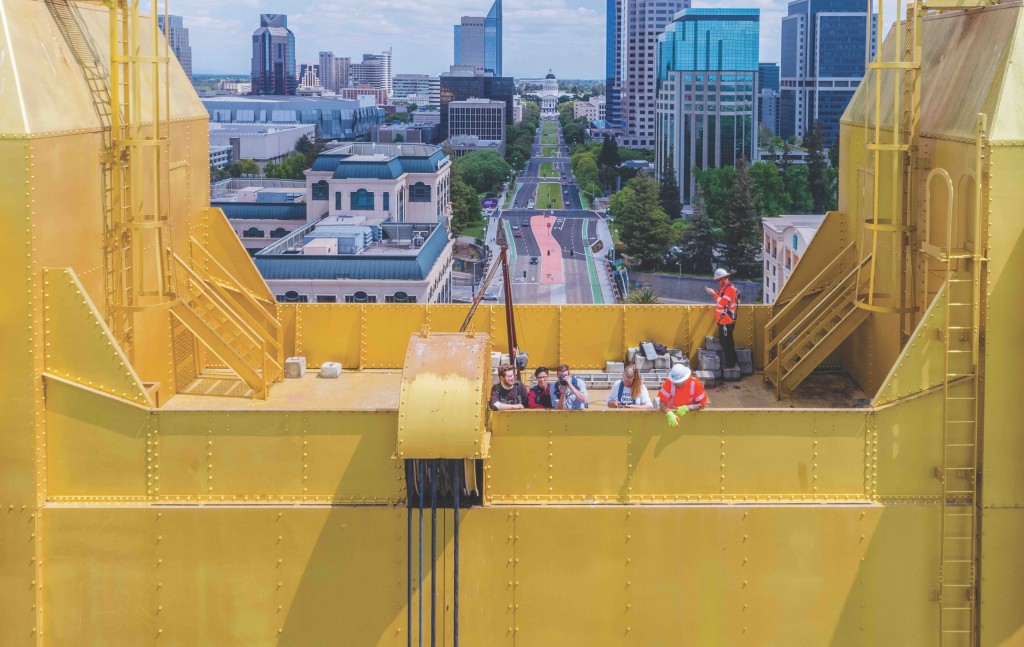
column 721, row 274
column 679, row 374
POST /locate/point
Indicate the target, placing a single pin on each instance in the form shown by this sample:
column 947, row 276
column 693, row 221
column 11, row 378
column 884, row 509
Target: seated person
column 540, row 394
column 629, row 392
column 682, row 389
column 508, row 393
column 569, row 392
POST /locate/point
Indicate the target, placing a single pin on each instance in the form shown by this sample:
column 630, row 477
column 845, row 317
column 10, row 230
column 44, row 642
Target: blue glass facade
column 492, row 39
column 824, row 49
column 273, row 56
column 707, row 91
column 611, row 90
column 768, row 76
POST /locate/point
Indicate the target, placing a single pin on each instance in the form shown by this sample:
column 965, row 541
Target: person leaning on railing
column 508, row 393
column 629, row 392
column 682, row 389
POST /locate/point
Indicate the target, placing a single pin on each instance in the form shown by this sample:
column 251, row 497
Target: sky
column 566, row 36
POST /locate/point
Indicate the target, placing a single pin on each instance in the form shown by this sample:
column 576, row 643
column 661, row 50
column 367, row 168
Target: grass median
column 547, row 169
column 549, row 196
column 549, row 140
column 549, row 129
column 549, row 151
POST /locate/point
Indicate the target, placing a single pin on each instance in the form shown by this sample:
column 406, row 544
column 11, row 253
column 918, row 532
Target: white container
column 295, row 367
column 330, row 370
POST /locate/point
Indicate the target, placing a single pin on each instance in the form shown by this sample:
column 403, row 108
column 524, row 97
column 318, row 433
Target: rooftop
column 244, row 129
column 374, row 160
column 781, row 223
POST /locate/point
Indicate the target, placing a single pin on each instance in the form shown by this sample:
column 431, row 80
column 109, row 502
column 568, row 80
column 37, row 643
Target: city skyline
column 558, row 34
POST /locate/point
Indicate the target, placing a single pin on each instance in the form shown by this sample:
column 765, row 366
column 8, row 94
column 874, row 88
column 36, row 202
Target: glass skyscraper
column 825, row 45
column 273, row 56
column 707, row 88
column 478, row 41
column 630, row 49
column 177, row 38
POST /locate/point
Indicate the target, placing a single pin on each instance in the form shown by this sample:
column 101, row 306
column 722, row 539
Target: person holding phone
column 725, row 314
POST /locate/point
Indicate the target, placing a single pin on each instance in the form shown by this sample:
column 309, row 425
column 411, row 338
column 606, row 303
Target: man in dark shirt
column 540, row 394
column 508, row 393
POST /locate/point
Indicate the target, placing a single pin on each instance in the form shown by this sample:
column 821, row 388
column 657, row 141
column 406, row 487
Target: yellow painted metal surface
column 444, row 393
column 193, row 519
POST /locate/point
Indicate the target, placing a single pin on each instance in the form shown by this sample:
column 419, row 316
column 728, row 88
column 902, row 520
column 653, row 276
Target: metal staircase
column 248, row 344
column 811, row 325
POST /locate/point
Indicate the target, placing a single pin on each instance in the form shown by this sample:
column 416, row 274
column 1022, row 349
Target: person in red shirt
column 725, row 315
column 682, row 389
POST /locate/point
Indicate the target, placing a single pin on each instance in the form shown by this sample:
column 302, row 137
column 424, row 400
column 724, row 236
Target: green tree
column 795, row 179
column 585, row 171
column 668, row 190
column 717, row 186
column 832, row 179
column 466, row 210
column 306, row 146
column 412, row 107
column 249, row 167
column 741, row 228
column 768, row 188
column 402, row 117
column 292, row 168
column 642, row 296
column 817, row 164
column 484, row 171
column 399, row 138
column 644, row 228
column 698, row 247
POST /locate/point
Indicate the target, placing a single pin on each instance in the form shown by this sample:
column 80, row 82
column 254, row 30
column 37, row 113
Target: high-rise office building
column 309, row 75
column 419, row 85
column 768, row 76
column 707, row 89
column 478, row 41
column 825, row 44
column 463, row 85
column 374, row 71
column 334, row 71
column 177, row 38
column 632, row 33
column 273, row 56
column 768, row 99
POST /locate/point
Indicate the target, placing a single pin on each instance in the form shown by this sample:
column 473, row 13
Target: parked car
column 490, row 297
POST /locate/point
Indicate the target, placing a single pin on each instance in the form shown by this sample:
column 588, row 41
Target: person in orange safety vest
column 725, row 314
column 682, row 389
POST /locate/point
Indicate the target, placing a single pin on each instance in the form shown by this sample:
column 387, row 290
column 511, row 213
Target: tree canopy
column 644, row 228
column 484, row 171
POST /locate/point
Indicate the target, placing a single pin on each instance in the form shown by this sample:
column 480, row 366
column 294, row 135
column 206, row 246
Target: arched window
column 400, row 297
column 362, row 200
column 359, row 296
column 320, row 190
column 291, row 296
column 419, row 192
column 280, row 232
column 253, row 232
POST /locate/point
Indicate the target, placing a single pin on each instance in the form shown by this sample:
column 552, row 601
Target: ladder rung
column 962, row 398
column 957, row 561
column 960, row 445
column 959, row 514
column 959, row 422
column 959, row 492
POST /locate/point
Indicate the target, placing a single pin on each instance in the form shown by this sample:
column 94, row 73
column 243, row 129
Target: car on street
column 515, row 226
column 518, row 234
column 490, row 297
column 534, row 260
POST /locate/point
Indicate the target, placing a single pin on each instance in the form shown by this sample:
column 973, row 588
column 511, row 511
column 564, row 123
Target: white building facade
column 401, row 183
column 785, row 240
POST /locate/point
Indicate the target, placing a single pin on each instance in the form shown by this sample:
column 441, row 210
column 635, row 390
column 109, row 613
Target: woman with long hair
column 629, row 392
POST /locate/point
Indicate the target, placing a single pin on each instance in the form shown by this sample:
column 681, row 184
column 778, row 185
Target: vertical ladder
column 958, row 553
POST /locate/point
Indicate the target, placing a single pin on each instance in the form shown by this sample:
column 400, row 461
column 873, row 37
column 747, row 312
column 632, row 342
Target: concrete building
column 259, row 142
column 426, row 117
column 232, row 87
column 261, row 210
column 399, row 133
column 376, row 96
column 273, row 56
column 381, row 183
column 418, row 85
column 824, row 46
column 335, row 118
column 478, row 41
column 768, row 103
column 633, row 27
column 374, row 71
column 707, row 90
column 344, row 260
column 177, row 38
column 459, row 85
column 221, row 155
column 517, row 110
column 482, row 119
column 334, row 71
column 309, row 75
column 592, row 110
column 785, row 239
